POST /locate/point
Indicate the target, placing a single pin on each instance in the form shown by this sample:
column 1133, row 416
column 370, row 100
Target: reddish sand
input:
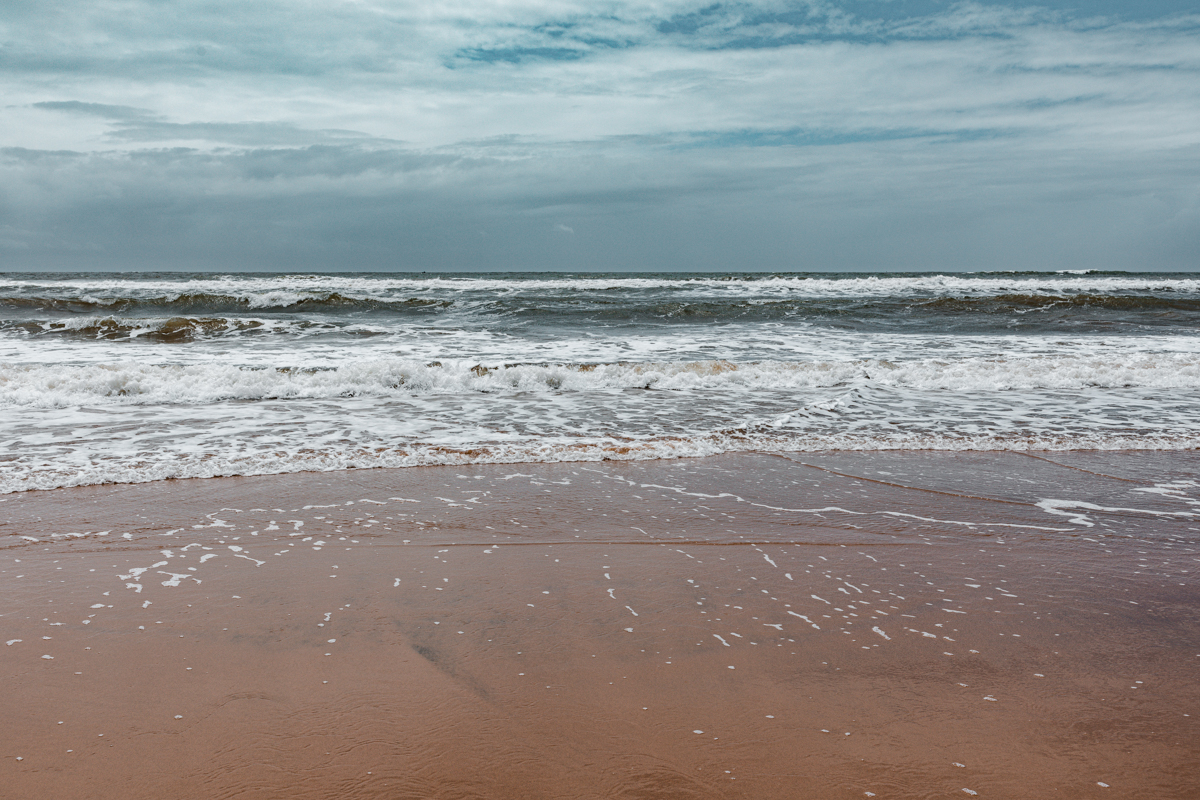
column 908, row 625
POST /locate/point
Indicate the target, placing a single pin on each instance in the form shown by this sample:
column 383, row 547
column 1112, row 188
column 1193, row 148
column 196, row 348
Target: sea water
column 146, row 376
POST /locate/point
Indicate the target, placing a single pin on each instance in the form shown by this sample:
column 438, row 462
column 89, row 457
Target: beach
column 749, row 625
column 680, row 400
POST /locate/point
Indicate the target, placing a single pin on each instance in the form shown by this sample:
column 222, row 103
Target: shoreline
column 834, row 627
column 620, row 451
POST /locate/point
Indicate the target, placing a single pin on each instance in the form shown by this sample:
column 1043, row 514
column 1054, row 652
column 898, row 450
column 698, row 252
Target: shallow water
column 825, row 625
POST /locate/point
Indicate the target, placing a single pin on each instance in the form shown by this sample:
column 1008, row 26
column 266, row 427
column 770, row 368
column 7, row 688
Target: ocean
column 129, row 378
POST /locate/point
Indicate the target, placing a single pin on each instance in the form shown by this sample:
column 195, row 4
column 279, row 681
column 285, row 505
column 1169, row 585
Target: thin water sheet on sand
column 836, row 625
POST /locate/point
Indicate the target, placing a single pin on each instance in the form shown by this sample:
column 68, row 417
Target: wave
column 276, row 461
column 55, row 386
column 202, row 316
column 208, row 302
column 288, row 291
column 1020, row 302
column 176, row 330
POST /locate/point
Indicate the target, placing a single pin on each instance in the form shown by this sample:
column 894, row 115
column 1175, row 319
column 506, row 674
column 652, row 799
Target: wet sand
column 841, row 625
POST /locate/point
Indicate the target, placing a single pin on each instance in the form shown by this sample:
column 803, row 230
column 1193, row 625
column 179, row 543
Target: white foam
column 1060, row 508
column 284, row 290
column 131, row 383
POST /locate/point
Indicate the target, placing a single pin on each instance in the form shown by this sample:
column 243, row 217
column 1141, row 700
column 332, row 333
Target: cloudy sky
column 606, row 135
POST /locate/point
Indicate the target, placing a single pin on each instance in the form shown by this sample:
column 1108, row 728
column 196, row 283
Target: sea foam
column 62, row 385
column 145, row 377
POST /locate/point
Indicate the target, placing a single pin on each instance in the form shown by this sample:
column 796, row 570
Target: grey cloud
column 237, row 133
column 140, row 125
column 515, row 55
column 101, row 110
column 337, row 162
column 347, row 207
column 31, row 156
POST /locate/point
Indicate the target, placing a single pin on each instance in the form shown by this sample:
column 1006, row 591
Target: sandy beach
column 904, row 625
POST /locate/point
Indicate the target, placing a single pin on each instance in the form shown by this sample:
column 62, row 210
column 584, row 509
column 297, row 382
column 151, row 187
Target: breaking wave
column 61, row 385
column 276, row 461
column 125, row 301
column 281, row 291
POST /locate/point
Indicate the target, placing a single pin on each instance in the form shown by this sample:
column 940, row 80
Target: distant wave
column 288, row 291
column 1012, row 302
column 207, row 302
column 136, row 383
column 202, row 316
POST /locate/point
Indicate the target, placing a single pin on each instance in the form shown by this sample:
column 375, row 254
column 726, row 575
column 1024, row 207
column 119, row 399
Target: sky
column 603, row 135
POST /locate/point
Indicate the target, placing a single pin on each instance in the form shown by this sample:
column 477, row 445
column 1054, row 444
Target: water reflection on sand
column 806, row 625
